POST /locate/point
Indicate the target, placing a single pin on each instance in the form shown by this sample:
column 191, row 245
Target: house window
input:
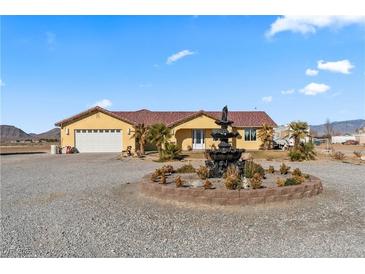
column 250, row 134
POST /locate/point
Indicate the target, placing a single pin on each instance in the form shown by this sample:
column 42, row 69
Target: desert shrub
column 294, row 180
column 186, row 169
column 297, row 172
column 256, row 181
column 358, row 154
column 251, row 168
column 271, row 169
column 171, row 151
column 231, row 170
column 284, row 169
column 269, row 158
column 280, row 182
column 163, row 179
column 154, row 177
column 168, row 169
column 202, row 172
column 306, row 176
column 338, row 155
column 298, row 179
column 232, row 181
column 295, row 155
column 290, row 182
column 179, row 181
column 207, row 184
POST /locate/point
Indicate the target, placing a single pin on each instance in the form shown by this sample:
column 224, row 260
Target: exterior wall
column 249, row 145
column 97, row 120
column 360, row 138
column 183, row 134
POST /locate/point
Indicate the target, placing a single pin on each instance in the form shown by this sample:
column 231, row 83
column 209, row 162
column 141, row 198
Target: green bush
column 171, row 152
column 295, row 155
column 290, row 182
column 251, row 168
column 305, row 151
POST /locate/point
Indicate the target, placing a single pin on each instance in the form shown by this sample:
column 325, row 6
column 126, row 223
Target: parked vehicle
column 350, row 142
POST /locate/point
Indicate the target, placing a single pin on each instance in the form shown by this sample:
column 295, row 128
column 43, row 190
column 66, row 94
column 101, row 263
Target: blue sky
column 53, row 67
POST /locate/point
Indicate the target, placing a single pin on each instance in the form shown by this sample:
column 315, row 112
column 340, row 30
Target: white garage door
column 98, row 140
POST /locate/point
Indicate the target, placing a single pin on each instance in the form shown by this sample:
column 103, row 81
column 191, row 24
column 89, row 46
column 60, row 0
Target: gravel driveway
column 88, row 205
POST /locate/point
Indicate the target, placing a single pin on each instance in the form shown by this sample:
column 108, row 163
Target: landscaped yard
column 88, row 205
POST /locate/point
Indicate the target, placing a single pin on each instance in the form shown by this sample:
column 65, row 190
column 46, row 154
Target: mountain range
column 11, row 133
column 340, row 128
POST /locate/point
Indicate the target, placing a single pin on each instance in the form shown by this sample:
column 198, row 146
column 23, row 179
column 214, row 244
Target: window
column 250, row 134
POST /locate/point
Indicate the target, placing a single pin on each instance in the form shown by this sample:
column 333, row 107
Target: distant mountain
column 12, row 133
column 9, row 133
column 340, row 128
column 50, row 134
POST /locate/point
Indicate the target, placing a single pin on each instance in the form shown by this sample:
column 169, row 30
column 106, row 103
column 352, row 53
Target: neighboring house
column 100, row 130
column 282, row 137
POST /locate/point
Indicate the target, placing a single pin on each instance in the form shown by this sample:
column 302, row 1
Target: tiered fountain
column 225, row 155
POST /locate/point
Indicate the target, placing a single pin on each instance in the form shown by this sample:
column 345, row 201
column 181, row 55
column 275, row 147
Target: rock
column 197, row 183
column 246, row 156
column 362, row 158
column 245, row 183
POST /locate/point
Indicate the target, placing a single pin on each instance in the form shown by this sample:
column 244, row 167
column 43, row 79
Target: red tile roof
column 171, row 118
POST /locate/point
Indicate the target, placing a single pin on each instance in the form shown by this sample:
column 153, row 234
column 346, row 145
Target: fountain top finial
column 225, row 113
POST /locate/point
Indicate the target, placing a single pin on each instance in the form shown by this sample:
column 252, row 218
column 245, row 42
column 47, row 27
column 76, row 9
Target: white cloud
column 342, row 66
column 310, row 24
column 314, row 89
column 286, row 92
column 51, row 39
column 267, row 99
column 311, row 72
column 105, row 103
column 2, row 84
column 181, row 54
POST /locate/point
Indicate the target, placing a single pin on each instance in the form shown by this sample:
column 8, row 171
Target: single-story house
column 101, row 130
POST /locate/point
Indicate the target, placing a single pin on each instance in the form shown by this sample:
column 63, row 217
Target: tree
column 298, row 130
column 159, row 134
column 141, row 134
column 266, row 134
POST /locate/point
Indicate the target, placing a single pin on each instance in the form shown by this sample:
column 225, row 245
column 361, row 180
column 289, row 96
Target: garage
column 98, row 140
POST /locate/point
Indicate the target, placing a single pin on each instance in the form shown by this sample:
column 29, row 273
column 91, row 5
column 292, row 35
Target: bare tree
column 328, row 129
column 328, row 132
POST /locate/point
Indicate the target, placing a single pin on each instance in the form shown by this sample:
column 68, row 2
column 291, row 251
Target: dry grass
column 31, row 148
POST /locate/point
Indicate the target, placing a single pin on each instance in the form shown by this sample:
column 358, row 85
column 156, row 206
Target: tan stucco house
column 101, row 130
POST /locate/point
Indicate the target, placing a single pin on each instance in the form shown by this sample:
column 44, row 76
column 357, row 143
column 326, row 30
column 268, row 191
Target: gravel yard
column 87, row 205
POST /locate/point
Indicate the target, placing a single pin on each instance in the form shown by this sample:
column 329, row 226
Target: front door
column 198, row 139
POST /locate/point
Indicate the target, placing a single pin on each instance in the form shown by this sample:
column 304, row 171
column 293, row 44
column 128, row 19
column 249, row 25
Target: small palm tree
column 171, row 151
column 141, row 134
column 159, row 134
column 298, row 130
column 266, row 134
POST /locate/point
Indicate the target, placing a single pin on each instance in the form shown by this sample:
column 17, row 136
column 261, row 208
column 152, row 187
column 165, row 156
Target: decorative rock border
column 231, row 197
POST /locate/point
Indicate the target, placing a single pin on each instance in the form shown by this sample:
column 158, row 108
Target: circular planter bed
column 219, row 195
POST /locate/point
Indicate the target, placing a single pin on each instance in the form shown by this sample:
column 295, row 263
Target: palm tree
column 159, row 134
column 266, row 134
column 298, row 130
column 141, row 134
